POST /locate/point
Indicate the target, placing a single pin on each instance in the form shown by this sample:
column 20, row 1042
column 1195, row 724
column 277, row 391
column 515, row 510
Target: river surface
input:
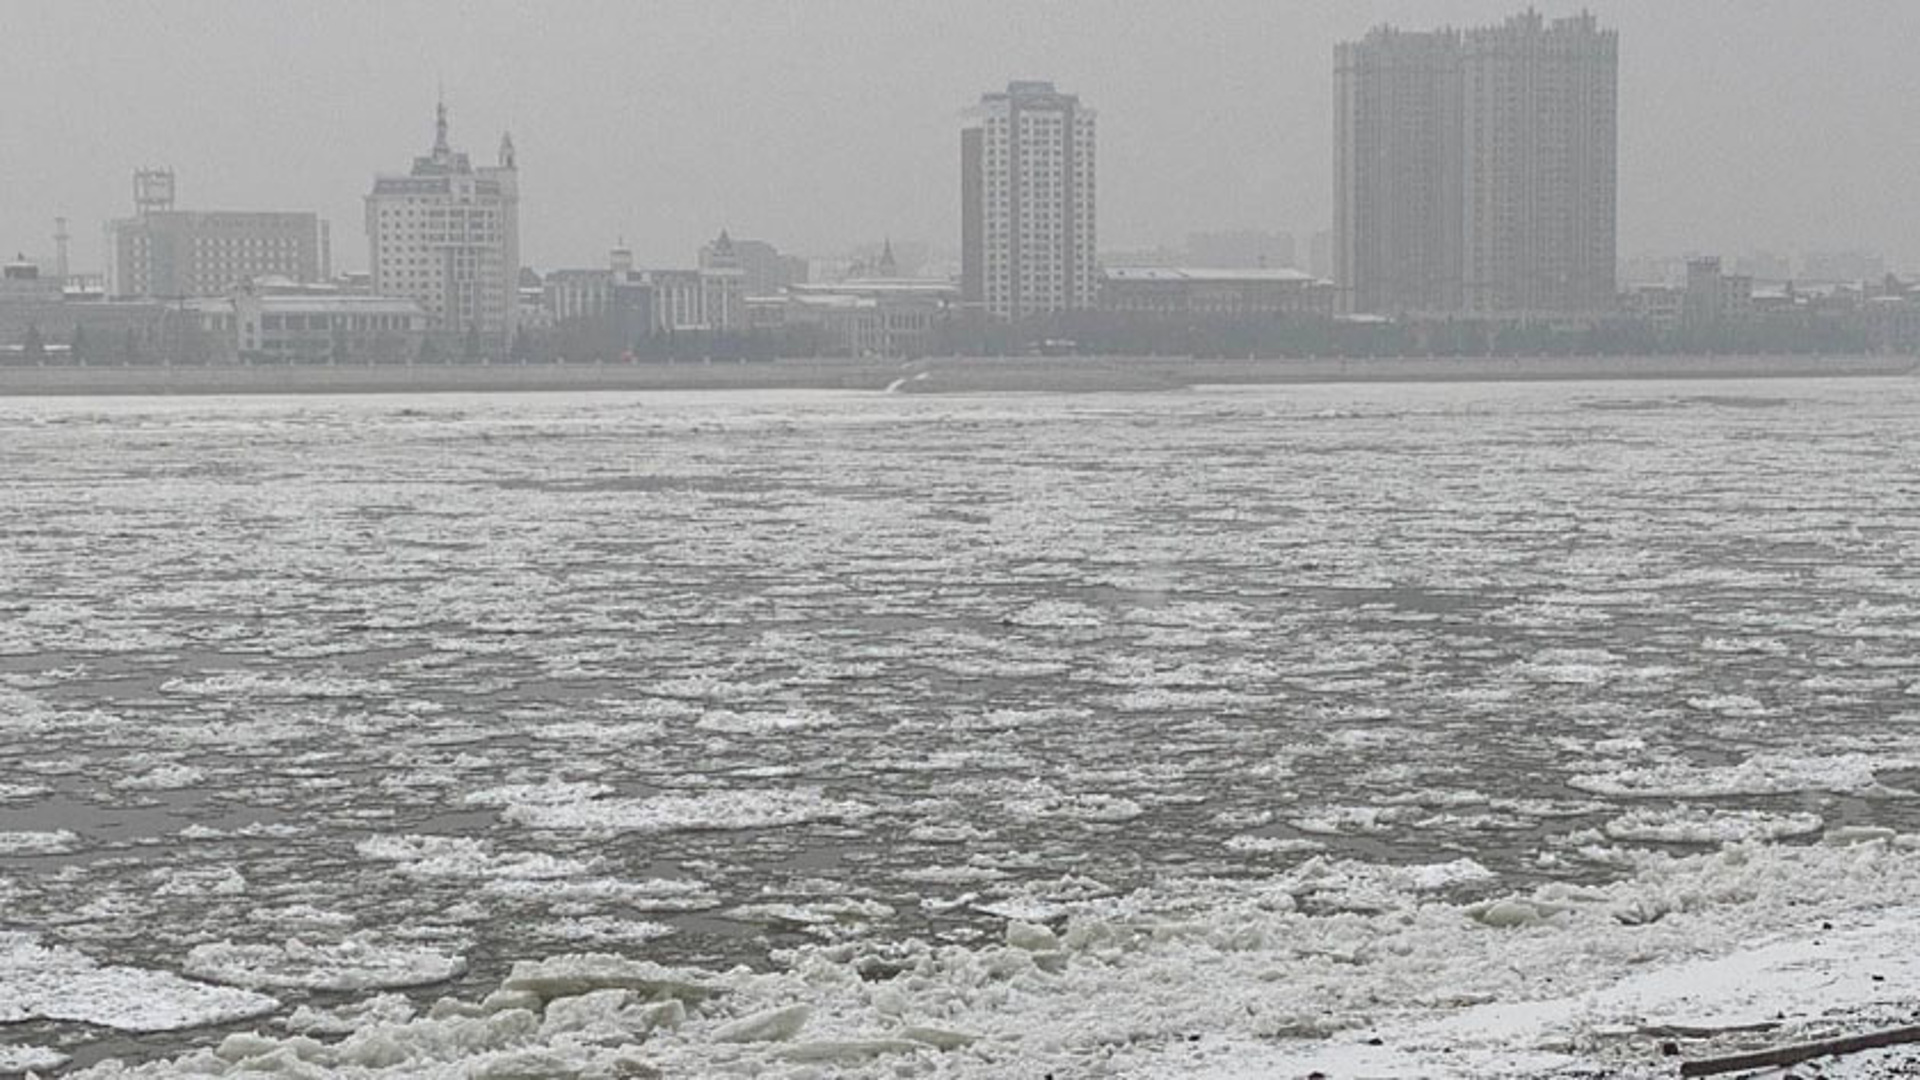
column 695, row 676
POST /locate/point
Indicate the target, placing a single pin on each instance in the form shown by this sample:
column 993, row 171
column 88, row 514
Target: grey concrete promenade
column 938, row 375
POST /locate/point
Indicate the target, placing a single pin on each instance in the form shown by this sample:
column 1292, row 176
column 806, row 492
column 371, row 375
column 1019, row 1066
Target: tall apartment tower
column 1474, row 171
column 1027, row 203
column 447, row 235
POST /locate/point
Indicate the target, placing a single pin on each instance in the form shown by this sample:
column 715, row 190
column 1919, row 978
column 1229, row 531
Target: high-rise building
column 169, row 253
column 447, row 234
column 1027, row 203
column 1474, row 171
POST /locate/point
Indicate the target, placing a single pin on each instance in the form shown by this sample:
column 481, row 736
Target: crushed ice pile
column 1333, row 964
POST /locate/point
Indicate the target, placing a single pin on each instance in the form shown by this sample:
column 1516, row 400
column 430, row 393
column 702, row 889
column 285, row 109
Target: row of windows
column 335, row 322
column 256, row 243
column 427, row 211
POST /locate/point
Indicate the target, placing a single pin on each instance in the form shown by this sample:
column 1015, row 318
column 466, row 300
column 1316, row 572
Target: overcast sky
column 820, row 124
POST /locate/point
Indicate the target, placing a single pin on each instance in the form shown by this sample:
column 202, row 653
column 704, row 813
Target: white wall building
column 447, row 235
column 1027, row 203
column 889, row 317
column 275, row 324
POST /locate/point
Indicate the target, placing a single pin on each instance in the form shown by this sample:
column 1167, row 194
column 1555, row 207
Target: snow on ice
column 1204, row 978
column 56, row 983
column 356, row 962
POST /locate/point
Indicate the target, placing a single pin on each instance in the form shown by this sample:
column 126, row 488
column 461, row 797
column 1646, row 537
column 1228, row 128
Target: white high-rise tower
column 447, row 234
column 1027, row 203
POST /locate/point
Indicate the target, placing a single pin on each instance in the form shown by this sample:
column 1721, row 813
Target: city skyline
column 836, row 125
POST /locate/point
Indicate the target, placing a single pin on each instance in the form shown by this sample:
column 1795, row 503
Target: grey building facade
column 167, row 253
column 1475, row 170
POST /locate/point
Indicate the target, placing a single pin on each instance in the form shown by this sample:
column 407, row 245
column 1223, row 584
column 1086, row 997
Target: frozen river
column 307, row 699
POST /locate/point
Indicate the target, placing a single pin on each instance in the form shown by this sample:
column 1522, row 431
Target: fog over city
column 1761, row 124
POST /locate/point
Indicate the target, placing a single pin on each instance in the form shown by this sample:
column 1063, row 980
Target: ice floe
column 355, row 962
column 47, row 842
column 1697, row 825
column 1766, row 773
column 24, row 1059
column 468, row 857
column 708, row 810
column 41, row 982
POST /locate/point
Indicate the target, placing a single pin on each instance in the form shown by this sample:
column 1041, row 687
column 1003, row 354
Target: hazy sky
column 819, row 124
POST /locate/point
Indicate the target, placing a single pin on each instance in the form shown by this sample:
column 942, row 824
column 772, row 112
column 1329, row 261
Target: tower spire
column 440, row 148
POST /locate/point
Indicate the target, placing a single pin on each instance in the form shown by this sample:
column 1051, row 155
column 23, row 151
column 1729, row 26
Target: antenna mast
column 60, row 239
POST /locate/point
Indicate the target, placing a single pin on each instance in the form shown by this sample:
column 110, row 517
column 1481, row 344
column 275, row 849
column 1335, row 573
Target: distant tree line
column 1080, row 333
column 1095, row 333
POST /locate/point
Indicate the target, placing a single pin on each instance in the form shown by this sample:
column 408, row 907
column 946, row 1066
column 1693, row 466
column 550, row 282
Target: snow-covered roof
column 318, row 305
column 1210, row 275
column 875, row 286
column 312, row 305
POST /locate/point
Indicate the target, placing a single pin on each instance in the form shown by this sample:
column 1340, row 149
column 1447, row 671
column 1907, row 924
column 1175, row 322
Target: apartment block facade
column 1027, row 170
column 1475, row 170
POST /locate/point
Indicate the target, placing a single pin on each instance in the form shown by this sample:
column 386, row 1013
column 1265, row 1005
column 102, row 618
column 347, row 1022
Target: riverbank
column 939, row 375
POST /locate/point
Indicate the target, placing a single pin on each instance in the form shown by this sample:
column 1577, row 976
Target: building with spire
column 447, row 235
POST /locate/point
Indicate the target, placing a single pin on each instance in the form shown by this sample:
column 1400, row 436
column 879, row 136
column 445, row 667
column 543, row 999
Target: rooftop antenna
column 152, row 190
column 440, row 148
column 60, row 239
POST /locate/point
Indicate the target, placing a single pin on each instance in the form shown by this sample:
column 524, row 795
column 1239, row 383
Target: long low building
column 70, row 326
column 304, row 327
column 1200, row 291
column 861, row 316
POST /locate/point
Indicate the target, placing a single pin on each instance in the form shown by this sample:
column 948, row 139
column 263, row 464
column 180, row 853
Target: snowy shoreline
column 1213, row 978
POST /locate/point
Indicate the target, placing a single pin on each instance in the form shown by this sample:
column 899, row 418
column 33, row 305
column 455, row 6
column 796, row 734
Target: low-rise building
column 864, row 317
column 698, row 301
column 1713, row 297
column 765, row 270
column 598, row 313
column 280, row 325
column 1660, row 307
column 1188, row 292
column 72, row 325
